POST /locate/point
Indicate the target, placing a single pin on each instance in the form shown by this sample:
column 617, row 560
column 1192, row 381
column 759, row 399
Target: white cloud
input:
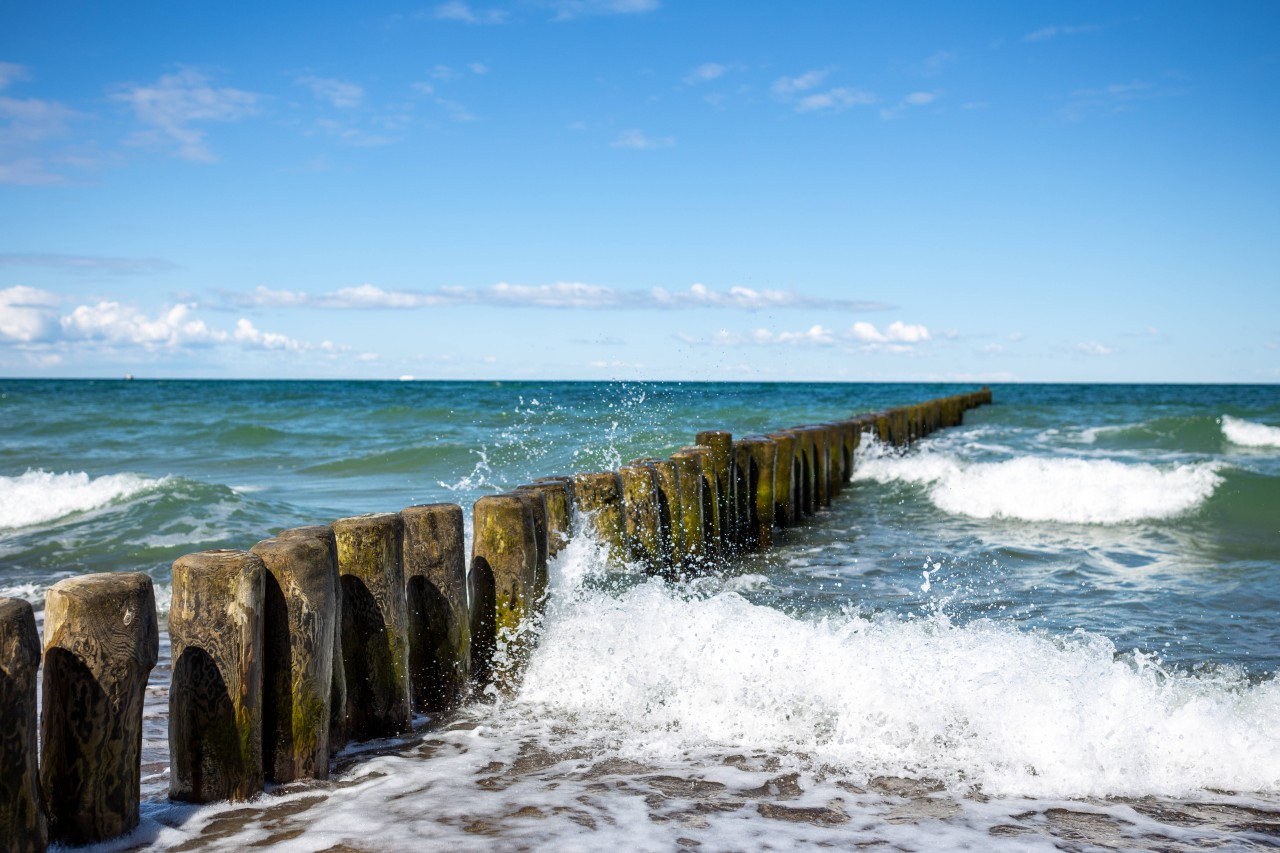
column 558, row 295
column 10, row 72
column 993, row 348
column 1046, row 33
column 174, row 105
column 339, row 93
column 462, row 12
column 639, row 140
column 787, row 86
column 26, row 125
column 27, row 314
column 935, row 64
column 898, row 337
column 477, row 68
column 915, row 99
column 566, row 9
column 705, row 72
column 895, row 332
column 834, row 100
column 1094, row 348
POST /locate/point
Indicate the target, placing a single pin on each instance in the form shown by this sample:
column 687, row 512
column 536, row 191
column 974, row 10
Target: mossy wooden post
column 439, row 628
column 375, row 624
column 811, row 455
column 834, row 458
column 599, row 497
column 848, row 443
column 642, row 515
column 559, row 499
column 537, row 503
column 692, row 552
column 784, row 478
column 338, row 684
column 722, row 458
column 101, row 640
column 805, row 502
column 882, row 427
column 757, row 457
column 297, row 667
column 504, row 549
column 215, row 696
column 667, row 480
column 711, row 529
column 22, row 818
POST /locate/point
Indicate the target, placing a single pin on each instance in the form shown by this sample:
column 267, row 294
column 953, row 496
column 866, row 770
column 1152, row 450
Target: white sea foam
column 1033, row 488
column 40, row 496
column 1250, row 434
column 1020, row 713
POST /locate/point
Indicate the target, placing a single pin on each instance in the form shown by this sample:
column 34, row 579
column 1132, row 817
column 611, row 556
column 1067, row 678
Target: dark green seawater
column 1068, row 606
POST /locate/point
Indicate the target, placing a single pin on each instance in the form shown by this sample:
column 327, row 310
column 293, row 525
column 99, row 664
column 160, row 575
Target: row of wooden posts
column 323, row 635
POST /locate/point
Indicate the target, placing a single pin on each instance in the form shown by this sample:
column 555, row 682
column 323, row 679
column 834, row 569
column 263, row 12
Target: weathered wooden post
column 338, row 686
column 808, row 452
column 439, row 628
column 215, row 696
column 101, row 641
column 692, row 551
column 756, row 457
column 559, row 500
column 599, row 497
column 504, row 551
column 22, row 817
column 375, row 630
column 667, row 479
column 297, row 667
column 642, row 515
column 537, row 503
column 711, row 499
column 722, row 459
column 784, row 478
column 848, row 443
column 835, row 459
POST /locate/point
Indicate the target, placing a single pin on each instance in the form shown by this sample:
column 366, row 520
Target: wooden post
column 756, row 458
column 641, row 515
column 722, row 459
column 784, row 478
column 835, row 459
column 559, row 498
column 297, row 668
column 599, row 497
column 667, row 480
column 338, row 687
column 22, row 817
column 439, row 629
column 215, row 696
column 101, row 641
column 504, row 548
column 848, row 442
column 375, row 629
column 692, row 551
column 711, row 522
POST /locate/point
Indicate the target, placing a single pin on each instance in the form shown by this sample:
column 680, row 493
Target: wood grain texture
column 215, row 697
column 559, row 498
column 101, row 641
column 722, row 457
column 504, row 547
column 298, row 630
column 23, row 827
column 338, row 691
column 375, row 631
column 439, row 624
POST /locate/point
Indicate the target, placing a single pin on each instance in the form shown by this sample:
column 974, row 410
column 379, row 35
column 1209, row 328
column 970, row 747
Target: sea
column 1055, row 627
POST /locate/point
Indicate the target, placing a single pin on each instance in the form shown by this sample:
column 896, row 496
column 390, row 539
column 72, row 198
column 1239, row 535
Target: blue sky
column 642, row 189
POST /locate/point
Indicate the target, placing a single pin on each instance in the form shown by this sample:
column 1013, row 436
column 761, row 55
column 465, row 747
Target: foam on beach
column 1249, row 434
column 39, row 496
column 1058, row 489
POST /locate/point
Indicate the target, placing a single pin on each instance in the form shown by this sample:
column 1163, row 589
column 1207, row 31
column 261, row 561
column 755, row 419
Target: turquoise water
column 1067, row 606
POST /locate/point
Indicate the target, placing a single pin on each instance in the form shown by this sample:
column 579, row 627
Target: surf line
column 324, row 635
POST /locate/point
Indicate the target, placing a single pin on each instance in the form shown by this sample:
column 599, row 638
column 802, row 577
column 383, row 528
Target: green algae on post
column 721, row 444
column 785, row 474
column 297, row 677
column 375, row 642
column 691, row 554
column 22, row 817
column 641, row 515
column 504, row 552
column 559, row 497
column 599, row 498
column 756, row 460
column 439, row 629
column 215, row 695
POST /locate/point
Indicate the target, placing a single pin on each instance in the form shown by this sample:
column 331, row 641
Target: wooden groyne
column 319, row 636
